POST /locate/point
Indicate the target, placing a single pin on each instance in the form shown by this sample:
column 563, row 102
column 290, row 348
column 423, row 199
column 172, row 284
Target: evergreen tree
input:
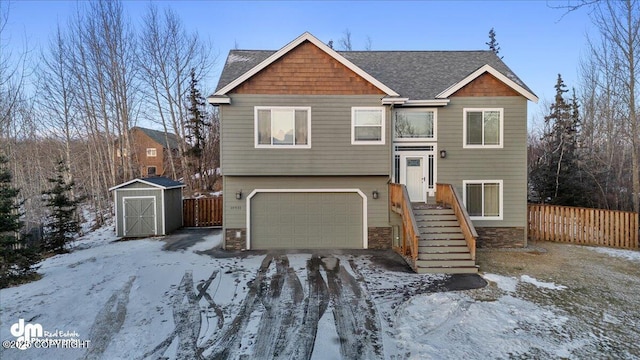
column 17, row 258
column 557, row 176
column 493, row 43
column 62, row 225
column 197, row 125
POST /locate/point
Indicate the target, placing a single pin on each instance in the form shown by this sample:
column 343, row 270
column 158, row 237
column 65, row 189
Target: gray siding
column 508, row 164
column 173, row 210
column 235, row 215
column 121, row 193
column 331, row 152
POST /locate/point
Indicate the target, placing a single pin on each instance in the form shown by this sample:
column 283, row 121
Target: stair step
column 450, row 217
column 440, row 230
column 445, row 263
column 442, row 236
column 447, row 223
column 442, row 246
column 447, row 270
column 433, row 212
column 444, row 256
column 441, row 242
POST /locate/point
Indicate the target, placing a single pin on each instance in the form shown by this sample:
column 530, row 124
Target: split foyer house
column 316, row 142
column 150, row 150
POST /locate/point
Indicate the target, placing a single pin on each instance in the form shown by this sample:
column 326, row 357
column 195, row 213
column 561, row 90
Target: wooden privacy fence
column 583, row 226
column 202, row 212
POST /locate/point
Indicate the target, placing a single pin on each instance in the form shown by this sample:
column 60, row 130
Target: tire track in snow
column 283, row 311
column 108, row 321
column 226, row 345
column 356, row 319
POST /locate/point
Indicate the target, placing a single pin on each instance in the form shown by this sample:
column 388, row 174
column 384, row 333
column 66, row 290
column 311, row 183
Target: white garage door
column 314, row 220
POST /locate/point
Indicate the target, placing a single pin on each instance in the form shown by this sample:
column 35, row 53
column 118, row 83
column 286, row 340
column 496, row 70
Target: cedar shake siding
column 306, row 70
column 485, row 85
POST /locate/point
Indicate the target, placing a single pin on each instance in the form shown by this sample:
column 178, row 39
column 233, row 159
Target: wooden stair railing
column 447, row 195
column 400, row 204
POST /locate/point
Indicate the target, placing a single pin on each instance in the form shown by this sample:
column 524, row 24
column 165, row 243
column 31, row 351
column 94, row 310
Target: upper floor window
column 483, row 128
column 151, row 152
column 282, row 127
column 483, row 199
column 415, row 125
column 367, row 125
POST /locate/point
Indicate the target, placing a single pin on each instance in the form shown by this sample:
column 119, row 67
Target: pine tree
column 197, row 125
column 493, row 43
column 557, row 177
column 17, row 257
column 61, row 226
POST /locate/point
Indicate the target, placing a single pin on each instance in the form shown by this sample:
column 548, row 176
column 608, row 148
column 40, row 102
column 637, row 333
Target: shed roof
column 159, row 182
column 417, row 75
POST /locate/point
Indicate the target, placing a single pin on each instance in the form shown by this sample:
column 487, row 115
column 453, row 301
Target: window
column 483, row 199
column 119, row 152
column 367, row 125
column 482, row 128
column 151, row 152
column 151, row 170
column 282, row 127
column 415, row 125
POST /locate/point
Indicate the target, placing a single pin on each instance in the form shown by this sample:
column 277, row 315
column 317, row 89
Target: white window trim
column 383, row 125
column 293, row 108
column 501, row 202
column 152, row 151
column 435, row 126
column 464, row 128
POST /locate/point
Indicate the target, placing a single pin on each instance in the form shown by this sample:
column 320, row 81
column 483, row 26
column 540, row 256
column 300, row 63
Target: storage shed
column 147, row 207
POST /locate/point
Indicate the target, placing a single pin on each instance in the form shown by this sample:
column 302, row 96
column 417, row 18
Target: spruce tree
column 197, row 125
column 17, row 257
column 557, row 175
column 493, row 43
column 61, row 226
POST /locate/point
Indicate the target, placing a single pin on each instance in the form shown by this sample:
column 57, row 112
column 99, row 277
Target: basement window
column 483, row 199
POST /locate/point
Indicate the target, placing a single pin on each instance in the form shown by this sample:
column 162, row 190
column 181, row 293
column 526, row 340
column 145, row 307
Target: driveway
column 284, row 307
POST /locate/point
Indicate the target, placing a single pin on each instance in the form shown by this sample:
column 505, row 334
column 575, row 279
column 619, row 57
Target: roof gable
column 294, row 44
column 291, row 74
column 487, row 69
column 159, row 182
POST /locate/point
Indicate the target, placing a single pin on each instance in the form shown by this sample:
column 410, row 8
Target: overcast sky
column 537, row 42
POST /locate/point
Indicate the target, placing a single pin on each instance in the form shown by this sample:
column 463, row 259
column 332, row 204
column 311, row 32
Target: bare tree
column 167, row 55
column 345, row 40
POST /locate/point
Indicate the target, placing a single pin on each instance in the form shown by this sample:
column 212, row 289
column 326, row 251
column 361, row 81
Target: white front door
column 413, row 169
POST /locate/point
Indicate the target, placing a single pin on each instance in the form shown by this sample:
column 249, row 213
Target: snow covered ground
column 155, row 299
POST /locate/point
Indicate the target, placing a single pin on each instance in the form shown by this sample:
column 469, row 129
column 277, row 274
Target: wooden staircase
column 442, row 248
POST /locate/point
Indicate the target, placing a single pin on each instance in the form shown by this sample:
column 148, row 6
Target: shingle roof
column 156, row 181
column 418, row 75
column 163, row 182
column 170, row 142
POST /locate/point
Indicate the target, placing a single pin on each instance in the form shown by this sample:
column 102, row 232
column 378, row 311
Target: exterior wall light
column 375, row 194
column 239, row 194
column 443, row 154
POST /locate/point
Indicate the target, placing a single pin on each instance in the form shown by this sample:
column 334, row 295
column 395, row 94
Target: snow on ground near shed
column 124, row 297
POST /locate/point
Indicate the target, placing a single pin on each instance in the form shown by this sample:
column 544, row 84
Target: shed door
column 139, row 216
column 306, row 221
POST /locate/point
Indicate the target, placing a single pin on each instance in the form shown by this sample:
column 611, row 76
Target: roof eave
column 487, row 69
column 290, row 46
column 146, row 182
column 218, row 100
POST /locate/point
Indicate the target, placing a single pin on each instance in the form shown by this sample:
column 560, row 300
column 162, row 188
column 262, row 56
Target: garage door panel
column 306, row 221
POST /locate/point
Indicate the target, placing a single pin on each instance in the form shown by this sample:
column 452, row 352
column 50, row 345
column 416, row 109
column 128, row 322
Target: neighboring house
column 311, row 138
column 151, row 151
